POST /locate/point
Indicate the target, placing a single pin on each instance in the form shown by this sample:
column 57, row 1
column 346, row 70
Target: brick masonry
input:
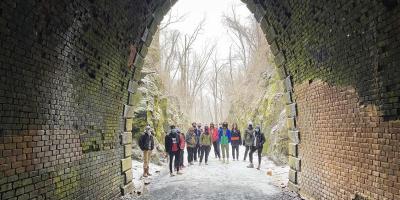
column 69, row 70
column 340, row 64
column 65, row 68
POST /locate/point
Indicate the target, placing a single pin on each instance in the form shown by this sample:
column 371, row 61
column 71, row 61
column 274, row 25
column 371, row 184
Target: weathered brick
column 291, row 123
column 126, row 164
column 126, row 138
column 127, row 150
column 128, row 176
column 127, row 189
column 293, row 149
column 294, row 163
column 293, row 176
column 294, row 136
column 128, row 124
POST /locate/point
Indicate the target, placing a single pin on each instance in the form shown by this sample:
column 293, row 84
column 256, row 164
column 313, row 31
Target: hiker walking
column 205, row 145
column 198, row 132
column 191, row 144
column 196, row 141
column 182, row 143
column 172, row 148
column 224, row 139
column 236, row 141
column 248, row 139
column 214, row 135
column 258, row 143
column 146, row 144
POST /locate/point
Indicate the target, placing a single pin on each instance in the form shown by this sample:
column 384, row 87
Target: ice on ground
column 215, row 181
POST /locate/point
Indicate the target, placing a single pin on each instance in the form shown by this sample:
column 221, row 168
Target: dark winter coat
column 236, row 138
column 169, row 141
column 259, row 139
column 146, row 142
column 197, row 132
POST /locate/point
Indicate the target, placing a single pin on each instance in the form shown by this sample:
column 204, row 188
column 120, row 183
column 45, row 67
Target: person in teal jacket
column 224, row 139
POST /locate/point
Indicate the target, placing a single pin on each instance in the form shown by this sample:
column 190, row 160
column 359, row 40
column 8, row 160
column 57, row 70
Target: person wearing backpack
column 258, row 143
column 173, row 149
column 236, row 141
column 191, row 144
column 146, row 144
column 205, row 145
column 224, row 139
column 248, row 139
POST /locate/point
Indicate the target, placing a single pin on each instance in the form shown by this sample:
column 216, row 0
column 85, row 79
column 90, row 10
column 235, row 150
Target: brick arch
column 65, row 111
column 144, row 41
column 338, row 61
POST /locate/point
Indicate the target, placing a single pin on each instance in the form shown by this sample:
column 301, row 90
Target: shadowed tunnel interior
column 69, row 70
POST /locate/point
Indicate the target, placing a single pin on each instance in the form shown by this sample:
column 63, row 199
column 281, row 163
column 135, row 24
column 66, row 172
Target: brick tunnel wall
column 342, row 63
column 65, row 69
column 63, row 83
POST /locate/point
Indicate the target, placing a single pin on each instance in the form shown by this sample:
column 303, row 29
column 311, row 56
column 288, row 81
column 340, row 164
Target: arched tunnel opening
column 70, row 69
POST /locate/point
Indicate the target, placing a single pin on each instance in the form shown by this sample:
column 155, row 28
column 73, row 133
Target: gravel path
column 217, row 181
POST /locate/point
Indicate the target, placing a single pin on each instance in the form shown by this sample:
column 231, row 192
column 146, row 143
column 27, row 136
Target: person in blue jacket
column 224, row 138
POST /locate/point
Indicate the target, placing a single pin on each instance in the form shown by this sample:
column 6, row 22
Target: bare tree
column 215, row 87
column 172, row 19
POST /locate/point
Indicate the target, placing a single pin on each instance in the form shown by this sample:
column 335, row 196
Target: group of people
column 198, row 142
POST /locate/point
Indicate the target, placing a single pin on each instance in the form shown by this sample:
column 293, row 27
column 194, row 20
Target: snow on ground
column 214, row 181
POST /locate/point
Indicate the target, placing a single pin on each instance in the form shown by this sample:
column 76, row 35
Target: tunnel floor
column 219, row 181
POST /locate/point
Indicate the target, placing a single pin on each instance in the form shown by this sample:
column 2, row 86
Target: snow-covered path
column 220, row 181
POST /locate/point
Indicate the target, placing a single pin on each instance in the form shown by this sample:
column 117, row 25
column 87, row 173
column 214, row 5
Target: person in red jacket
column 172, row 147
column 214, row 137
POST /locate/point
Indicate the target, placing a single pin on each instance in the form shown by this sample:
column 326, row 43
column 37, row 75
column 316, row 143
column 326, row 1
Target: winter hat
column 148, row 127
column 250, row 123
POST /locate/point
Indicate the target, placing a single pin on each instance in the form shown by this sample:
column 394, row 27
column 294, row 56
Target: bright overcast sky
column 212, row 10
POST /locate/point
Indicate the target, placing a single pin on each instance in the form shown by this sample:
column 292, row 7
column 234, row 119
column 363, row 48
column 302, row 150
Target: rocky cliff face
column 267, row 108
column 153, row 106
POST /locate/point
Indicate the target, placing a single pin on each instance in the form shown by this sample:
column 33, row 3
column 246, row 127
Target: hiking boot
column 258, row 168
column 250, row 165
column 206, row 163
column 227, row 161
column 199, row 163
column 223, row 161
column 144, row 172
column 148, row 173
column 179, row 173
column 171, row 174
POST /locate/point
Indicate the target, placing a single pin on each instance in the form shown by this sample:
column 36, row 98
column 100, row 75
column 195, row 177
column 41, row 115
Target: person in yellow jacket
column 205, row 145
